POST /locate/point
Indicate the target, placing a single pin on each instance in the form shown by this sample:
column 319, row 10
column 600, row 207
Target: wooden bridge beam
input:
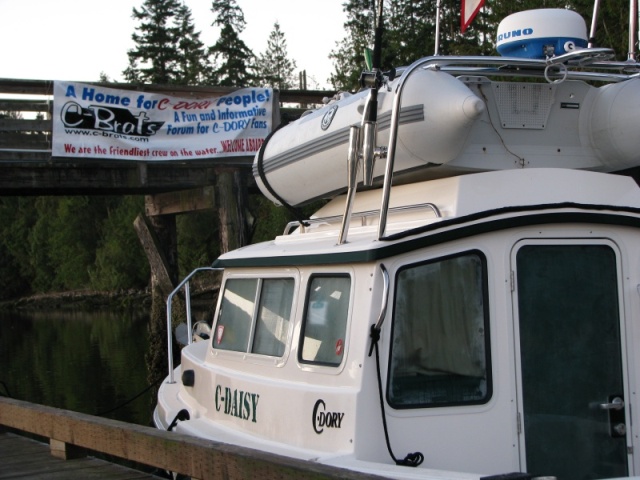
column 192, row 200
column 22, row 176
column 232, row 192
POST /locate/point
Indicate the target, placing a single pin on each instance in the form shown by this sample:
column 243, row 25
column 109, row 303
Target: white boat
column 478, row 318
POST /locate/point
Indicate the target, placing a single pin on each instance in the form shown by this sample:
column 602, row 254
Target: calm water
column 89, row 362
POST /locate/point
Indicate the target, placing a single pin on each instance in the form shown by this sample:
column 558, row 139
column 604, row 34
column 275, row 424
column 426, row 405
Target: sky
column 76, row 40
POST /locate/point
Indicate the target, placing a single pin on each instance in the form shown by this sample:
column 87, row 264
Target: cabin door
column 572, row 412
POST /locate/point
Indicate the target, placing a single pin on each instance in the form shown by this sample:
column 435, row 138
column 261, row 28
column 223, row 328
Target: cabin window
column 325, row 321
column 255, row 315
column 274, row 311
column 440, row 349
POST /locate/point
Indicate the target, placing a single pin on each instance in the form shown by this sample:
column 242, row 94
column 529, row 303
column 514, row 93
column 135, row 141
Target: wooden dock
column 74, row 437
column 24, row 458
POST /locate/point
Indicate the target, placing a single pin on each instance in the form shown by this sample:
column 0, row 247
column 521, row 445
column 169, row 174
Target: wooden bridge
column 27, row 167
column 75, row 438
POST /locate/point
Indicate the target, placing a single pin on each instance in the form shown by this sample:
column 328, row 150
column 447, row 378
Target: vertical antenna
column 633, row 29
column 594, row 21
column 377, row 37
column 374, row 81
column 437, row 48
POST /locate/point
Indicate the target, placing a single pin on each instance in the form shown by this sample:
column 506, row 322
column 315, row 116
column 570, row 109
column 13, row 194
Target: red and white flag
column 470, row 9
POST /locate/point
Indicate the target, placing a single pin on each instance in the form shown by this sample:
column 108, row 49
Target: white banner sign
column 92, row 121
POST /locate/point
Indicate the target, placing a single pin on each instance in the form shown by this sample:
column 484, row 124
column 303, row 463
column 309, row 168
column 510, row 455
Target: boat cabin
column 507, row 305
column 467, row 303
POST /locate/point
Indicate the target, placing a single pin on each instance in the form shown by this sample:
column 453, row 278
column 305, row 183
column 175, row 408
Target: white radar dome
column 541, row 33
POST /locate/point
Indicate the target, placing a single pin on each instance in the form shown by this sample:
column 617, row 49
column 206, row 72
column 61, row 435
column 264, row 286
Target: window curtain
column 439, row 319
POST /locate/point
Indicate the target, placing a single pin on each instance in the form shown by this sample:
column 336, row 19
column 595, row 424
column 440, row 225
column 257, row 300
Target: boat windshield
column 255, row 315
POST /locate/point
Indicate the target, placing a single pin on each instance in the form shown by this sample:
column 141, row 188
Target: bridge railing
column 28, row 167
column 26, row 125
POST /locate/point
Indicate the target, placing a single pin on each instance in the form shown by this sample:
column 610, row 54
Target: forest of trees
column 88, row 242
column 410, row 31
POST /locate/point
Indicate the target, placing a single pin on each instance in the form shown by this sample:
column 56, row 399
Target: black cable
column 181, row 416
column 412, row 459
column 8, row 394
column 130, row 400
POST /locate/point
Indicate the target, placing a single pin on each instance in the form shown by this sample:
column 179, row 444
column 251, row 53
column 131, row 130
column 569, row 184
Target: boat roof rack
column 554, row 69
column 570, row 65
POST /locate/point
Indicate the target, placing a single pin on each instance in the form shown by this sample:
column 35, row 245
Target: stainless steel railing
column 187, row 294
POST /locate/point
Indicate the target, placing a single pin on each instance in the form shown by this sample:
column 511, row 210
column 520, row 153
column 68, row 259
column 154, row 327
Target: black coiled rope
column 412, row 459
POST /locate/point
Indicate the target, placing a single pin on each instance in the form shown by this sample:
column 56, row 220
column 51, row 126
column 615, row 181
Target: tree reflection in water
column 89, row 362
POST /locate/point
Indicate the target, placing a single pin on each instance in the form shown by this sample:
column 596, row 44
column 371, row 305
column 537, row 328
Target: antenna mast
column 437, row 42
column 594, row 21
column 633, row 30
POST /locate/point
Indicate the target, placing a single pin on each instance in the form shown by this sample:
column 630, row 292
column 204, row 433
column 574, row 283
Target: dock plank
column 25, row 458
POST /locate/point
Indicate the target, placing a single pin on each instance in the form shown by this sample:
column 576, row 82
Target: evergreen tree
column 410, row 30
column 348, row 56
column 120, row 261
column 192, row 65
column 612, row 29
column 40, row 252
column 17, row 215
column 73, row 238
column 274, row 67
column 232, row 59
column 197, row 240
column 156, row 56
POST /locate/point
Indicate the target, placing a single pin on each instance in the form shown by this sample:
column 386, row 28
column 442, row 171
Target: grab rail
column 187, row 294
column 365, row 214
column 385, row 297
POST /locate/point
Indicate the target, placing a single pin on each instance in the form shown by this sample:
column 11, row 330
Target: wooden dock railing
column 73, row 434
